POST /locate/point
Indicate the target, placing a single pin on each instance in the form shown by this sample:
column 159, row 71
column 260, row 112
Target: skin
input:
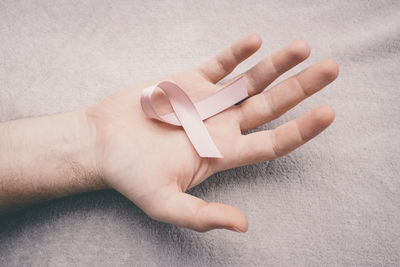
column 112, row 144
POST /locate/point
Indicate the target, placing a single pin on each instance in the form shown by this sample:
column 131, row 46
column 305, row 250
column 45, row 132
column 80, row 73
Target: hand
column 153, row 163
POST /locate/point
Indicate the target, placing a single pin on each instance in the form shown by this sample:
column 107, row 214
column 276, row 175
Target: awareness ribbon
column 190, row 115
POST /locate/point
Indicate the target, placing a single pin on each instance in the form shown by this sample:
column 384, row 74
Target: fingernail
column 235, row 229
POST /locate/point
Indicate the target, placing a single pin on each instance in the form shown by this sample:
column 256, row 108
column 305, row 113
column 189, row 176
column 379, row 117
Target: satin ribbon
column 190, row 115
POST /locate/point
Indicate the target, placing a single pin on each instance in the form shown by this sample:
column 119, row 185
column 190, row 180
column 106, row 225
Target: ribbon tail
column 191, row 121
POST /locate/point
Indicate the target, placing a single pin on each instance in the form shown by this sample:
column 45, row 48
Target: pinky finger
column 267, row 145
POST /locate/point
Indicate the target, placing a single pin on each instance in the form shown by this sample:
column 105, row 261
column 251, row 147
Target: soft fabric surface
column 335, row 201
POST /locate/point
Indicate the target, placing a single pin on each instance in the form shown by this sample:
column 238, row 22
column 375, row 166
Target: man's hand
column 153, row 163
column 113, row 143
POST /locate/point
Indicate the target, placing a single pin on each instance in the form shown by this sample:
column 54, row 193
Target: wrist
column 81, row 139
column 46, row 157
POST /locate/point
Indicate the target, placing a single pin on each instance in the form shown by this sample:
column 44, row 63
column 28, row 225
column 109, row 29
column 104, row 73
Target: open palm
column 153, row 163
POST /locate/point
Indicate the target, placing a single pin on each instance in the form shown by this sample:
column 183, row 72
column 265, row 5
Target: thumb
column 185, row 210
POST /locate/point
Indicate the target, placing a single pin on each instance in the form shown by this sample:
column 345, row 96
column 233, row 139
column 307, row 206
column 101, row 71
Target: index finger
column 226, row 61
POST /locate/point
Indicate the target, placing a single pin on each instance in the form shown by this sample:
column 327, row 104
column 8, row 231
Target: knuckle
column 275, row 145
column 271, row 110
column 296, row 83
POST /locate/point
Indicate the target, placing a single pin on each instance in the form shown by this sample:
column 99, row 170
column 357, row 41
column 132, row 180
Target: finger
column 266, row 145
column 266, row 71
column 225, row 62
column 185, row 210
column 271, row 104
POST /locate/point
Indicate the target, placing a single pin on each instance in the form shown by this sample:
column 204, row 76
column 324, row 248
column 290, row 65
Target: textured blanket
column 333, row 202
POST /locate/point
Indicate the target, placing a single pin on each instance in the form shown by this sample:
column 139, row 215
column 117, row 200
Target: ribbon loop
column 190, row 116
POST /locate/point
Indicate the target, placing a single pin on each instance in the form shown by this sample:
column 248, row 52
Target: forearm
column 45, row 157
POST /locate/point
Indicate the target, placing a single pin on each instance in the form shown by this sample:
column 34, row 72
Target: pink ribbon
column 190, row 116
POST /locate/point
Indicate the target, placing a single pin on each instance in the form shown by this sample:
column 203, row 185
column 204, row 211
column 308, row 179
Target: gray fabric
column 333, row 202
